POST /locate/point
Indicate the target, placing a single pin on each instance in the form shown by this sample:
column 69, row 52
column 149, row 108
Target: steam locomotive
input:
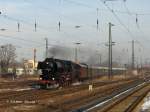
column 57, row 72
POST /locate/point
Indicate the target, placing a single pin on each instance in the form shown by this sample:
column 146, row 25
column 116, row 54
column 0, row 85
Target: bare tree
column 7, row 56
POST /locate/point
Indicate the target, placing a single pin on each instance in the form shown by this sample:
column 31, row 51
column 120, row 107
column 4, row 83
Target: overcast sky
column 72, row 13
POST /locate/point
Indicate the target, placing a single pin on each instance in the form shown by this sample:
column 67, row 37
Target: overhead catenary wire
column 119, row 20
column 20, row 39
column 132, row 36
column 137, row 24
column 32, row 23
column 59, row 25
column 114, row 12
column 36, row 43
column 27, row 22
column 82, row 4
column 105, row 10
column 60, row 4
column 136, row 17
column 77, row 3
column 128, row 11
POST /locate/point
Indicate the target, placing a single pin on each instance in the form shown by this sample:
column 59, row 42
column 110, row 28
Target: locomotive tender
column 62, row 72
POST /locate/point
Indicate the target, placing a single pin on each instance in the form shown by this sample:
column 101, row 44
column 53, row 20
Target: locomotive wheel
column 65, row 83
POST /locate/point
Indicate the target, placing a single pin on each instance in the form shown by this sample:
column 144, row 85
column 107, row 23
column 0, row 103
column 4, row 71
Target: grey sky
column 71, row 13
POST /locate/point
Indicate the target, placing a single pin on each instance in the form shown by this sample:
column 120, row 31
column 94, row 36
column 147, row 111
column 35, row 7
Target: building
column 18, row 71
column 29, row 68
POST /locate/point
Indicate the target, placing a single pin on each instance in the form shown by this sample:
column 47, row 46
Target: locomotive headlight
column 53, row 78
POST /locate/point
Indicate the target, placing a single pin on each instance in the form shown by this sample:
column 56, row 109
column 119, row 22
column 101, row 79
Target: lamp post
column 34, row 57
column 46, row 47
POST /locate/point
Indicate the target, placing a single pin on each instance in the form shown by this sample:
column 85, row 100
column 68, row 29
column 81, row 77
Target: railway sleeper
column 131, row 106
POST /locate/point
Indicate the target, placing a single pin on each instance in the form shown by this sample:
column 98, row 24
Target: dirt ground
column 24, row 83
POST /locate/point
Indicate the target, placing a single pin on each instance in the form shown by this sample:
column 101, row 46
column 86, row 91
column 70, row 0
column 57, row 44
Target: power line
column 78, row 3
column 115, row 15
column 133, row 57
column 34, row 24
column 116, row 11
column 21, row 39
column 82, row 4
column 28, row 41
column 137, row 22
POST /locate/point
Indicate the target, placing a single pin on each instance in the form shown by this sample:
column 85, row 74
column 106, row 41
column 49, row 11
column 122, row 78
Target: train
column 58, row 72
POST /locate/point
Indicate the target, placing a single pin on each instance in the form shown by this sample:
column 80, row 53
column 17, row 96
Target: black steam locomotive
column 57, row 72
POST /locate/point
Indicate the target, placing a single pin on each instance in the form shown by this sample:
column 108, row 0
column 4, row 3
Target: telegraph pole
column 46, row 50
column 110, row 43
column 100, row 59
column 34, row 50
column 76, row 52
column 133, row 60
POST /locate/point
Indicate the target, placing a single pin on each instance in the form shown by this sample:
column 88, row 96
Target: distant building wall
column 30, row 64
column 18, row 71
column 10, row 70
column 30, row 68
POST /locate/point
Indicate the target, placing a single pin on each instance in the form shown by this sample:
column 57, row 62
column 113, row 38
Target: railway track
column 37, row 95
column 83, row 103
column 126, row 102
column 51, row 93
column 87, row 100
column 64, row 99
